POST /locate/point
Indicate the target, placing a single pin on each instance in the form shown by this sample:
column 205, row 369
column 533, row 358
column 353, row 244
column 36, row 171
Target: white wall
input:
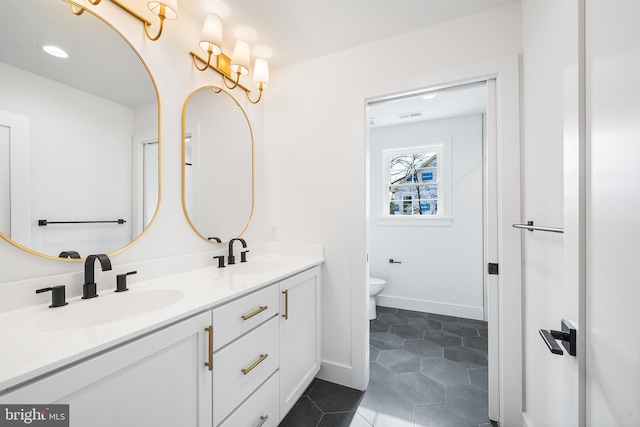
column 315, row 132
column 442, row 264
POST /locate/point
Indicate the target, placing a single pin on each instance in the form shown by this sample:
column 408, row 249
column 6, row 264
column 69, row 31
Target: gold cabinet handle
column 253, row 313
column 256, row 363
column 286, row 304
column 209, row 363
column 263, row 419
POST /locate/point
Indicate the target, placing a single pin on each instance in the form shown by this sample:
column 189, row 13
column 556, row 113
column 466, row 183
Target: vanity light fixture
column 165, row 9
column 210, row 39
column 239, row 63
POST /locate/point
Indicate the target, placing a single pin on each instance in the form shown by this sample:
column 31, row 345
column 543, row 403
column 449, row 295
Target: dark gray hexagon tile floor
column 427, row 370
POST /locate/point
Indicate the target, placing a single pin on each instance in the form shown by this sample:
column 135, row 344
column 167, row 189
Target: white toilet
column 376, row 285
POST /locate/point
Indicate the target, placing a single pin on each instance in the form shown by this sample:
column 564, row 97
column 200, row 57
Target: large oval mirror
column 78, row 135
column 217, row 169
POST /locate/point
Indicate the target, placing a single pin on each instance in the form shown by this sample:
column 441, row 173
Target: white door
column 15, row 178
column 5, row 180
column 602, row 201
column 146, row 185
column 612, row 212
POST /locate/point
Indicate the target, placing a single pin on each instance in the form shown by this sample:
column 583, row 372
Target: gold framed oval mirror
column 76, row 133
column 217, row 165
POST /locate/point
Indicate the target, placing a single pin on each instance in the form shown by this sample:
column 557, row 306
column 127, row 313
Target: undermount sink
column 109, row 308
column 256, row 267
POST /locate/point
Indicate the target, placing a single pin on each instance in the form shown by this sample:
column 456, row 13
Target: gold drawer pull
column 209, row 363
column 253, row 313
column 286, row 304
column 256, row 363
column 263, row 419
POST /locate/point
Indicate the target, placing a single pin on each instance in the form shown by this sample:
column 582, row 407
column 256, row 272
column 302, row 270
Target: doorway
column 427, row 197
column 505, row 288
column 431, row 170
column 15, row 179
column 146, row 184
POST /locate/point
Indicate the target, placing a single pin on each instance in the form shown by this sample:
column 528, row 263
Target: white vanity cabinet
column 300, row 348
column 241, row 363
column 246, row 353
column 157, row 380
column 267, row 351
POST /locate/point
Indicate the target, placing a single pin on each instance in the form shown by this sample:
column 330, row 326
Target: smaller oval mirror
column 217, row 164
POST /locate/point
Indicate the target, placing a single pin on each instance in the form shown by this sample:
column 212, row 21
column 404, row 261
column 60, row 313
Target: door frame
column 20, row 154
column 139, row 194
column 575, row 152
column 508, row 295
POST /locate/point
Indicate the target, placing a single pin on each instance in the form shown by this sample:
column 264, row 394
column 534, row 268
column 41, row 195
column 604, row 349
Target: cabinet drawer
column 257, row 353
column 261, row 406
column 238, row 317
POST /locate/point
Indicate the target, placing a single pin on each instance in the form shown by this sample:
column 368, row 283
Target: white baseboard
column 336, row 373
column 435, row 307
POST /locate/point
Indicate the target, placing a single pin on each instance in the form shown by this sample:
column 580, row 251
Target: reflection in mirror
column 74, row 133
column 5, row 180
column 217, row 170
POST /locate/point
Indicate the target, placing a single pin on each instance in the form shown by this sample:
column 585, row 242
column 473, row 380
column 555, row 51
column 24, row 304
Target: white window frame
column 442, row 147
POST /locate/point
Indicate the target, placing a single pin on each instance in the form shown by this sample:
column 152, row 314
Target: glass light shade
column 212, row 34
column 170, row 8
column 241, row 58
column 261, row 73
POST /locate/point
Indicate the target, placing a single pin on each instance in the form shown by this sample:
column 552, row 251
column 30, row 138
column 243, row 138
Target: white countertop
column 38, row 339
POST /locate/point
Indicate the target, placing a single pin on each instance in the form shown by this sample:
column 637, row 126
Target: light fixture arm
column 79, row 10
column 162, row 15
column 259, row 95
column 235, row 83
column 207, row 64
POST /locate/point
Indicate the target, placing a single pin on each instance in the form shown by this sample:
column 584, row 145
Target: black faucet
column 89, row 289
column 69, row 254
column 232, row 259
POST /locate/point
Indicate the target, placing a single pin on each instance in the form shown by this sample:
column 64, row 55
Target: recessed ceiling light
column 429, row 96
column 54, row 51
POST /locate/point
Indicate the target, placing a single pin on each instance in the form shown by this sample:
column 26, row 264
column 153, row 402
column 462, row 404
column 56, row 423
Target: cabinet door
column 299, row 335
column 158, row 380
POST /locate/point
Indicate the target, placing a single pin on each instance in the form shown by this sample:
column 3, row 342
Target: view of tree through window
column 413, row 183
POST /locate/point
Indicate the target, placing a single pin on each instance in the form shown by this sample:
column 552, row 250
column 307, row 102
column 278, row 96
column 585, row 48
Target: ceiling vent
column 412, row 115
